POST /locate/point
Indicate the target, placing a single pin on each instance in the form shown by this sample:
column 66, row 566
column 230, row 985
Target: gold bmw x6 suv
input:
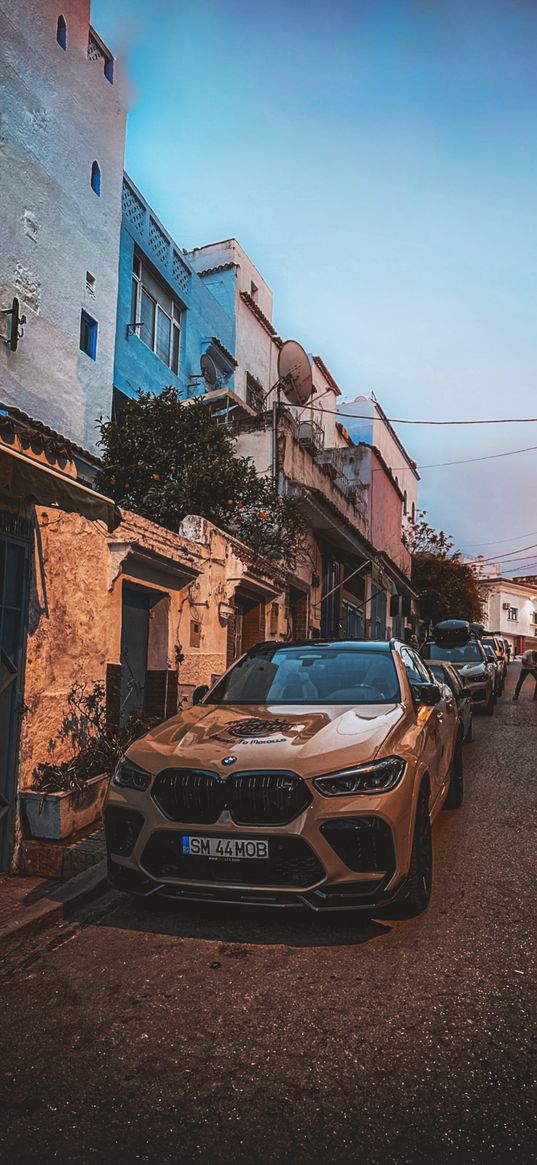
column 310, row 774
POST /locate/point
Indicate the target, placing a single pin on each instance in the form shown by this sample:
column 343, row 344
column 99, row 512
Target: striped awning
column 27, row 479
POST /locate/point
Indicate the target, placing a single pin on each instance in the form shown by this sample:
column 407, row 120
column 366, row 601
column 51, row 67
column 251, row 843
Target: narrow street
column 159, row 1035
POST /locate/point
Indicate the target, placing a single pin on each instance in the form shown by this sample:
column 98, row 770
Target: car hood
column 304, row 740
column 470, row 670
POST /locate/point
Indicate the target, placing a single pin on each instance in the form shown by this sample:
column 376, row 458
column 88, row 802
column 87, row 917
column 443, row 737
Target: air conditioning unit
column 505, row 606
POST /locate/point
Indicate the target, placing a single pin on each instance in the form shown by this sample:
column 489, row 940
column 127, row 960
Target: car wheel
column 420, row 875
column 489, row 706
column 456, row 779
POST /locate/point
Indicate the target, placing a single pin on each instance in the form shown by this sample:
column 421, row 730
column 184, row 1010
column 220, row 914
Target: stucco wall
column 386, row 510
column 59, row 115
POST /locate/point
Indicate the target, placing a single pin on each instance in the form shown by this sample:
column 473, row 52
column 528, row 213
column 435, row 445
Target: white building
column 61, row 172
column 511, row 609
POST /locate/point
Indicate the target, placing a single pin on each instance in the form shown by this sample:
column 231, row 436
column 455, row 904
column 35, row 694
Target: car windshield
column 468, row 653
column 310, row 675
column 491, row 643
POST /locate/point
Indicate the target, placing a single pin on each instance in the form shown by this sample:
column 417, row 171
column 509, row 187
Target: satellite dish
column 209, row 370
column 294, row 368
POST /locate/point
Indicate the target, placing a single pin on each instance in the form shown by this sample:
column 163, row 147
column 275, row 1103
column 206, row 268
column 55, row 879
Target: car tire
column 455, row 791
column 420, row 874
column 489, row 706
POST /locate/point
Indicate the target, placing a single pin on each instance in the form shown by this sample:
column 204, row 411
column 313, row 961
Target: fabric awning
column 22, row 477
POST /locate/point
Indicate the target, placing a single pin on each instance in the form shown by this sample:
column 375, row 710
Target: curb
column 32, row 920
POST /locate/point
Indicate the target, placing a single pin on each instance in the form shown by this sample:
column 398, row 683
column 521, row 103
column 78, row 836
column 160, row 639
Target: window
column 254, row 393
column 88, row 335
column 310, row 675
column 156, row 314
column 471, row 652
column 416, row 670
column 96, row 178
column 90, row 283
column 61, row 32
column 512, row 614
column 413, row 512
column 254, row 291
column 405, row 502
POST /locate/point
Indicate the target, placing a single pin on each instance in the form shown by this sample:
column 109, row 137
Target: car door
column 431, row 722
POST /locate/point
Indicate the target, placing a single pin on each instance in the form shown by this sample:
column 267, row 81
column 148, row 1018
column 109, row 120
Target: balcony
column 310, row 435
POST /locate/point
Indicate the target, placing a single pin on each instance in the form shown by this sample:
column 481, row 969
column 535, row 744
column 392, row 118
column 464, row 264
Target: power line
column 465, row 461
column 501, row 541
column 408, row 421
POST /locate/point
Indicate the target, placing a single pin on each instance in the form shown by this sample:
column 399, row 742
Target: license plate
column 232, row 849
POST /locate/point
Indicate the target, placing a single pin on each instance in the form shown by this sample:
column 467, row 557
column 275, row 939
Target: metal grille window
column 156, row 314
column 512, row 614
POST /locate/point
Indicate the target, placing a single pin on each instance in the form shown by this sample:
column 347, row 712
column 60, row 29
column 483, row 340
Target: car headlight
column 131, row 776
column 377, row 777
column 482, row 674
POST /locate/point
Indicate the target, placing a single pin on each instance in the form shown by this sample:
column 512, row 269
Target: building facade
column 61, row 170
column 170, row 329
column 510, row 608
column 366, row 421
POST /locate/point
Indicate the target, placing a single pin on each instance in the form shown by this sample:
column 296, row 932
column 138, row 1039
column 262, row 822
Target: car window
column 416, row 670
column 471, row 652
column 443, row 675
column 310, row 675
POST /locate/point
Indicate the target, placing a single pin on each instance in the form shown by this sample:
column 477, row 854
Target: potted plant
column 67, row 796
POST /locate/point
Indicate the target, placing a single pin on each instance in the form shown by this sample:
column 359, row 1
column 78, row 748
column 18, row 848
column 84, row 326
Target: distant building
column 481, row 567
column 61, row 170
column 510, row 607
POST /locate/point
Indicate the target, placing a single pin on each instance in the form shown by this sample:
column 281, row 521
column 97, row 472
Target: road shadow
column 243, row 926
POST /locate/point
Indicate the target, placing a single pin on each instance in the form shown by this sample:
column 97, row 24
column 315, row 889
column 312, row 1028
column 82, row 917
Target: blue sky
column 378, row 162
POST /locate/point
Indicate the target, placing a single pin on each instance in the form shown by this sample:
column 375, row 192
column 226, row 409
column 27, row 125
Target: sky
column 377, row 160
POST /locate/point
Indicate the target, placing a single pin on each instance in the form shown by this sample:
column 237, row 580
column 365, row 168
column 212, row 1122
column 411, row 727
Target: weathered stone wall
column 76, row 608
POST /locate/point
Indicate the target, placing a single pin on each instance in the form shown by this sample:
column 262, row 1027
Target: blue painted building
column 171, row 330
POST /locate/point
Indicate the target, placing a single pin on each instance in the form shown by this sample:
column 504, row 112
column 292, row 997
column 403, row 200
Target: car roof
column 380, row 645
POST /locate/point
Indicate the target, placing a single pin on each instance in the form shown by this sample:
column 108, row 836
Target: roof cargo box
column 452, row 633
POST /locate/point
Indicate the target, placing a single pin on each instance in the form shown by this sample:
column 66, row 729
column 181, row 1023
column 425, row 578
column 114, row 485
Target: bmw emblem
column 229, row 760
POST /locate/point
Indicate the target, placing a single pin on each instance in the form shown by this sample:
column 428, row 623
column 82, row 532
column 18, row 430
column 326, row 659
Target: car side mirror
column 199, row 693
column 428, row 694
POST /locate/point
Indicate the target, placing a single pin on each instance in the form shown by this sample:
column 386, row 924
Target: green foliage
column 448, row 588
column 167, row 459
column 97, row 748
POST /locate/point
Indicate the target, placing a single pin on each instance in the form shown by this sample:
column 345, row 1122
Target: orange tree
column 165, row 459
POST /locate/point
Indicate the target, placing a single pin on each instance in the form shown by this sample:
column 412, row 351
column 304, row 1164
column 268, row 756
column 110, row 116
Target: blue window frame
column 96, row 178
column 61, row 32
column 88, row 335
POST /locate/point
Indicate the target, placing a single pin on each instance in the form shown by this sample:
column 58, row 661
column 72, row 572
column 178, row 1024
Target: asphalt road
column 159, row 1035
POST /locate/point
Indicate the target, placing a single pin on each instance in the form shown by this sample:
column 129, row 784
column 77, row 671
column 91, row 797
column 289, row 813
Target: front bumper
column 362, row 895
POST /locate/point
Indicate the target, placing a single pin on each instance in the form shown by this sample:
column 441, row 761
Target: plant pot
column 55, row 816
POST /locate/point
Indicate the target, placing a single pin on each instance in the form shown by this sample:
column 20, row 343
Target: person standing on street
column 528, row 668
